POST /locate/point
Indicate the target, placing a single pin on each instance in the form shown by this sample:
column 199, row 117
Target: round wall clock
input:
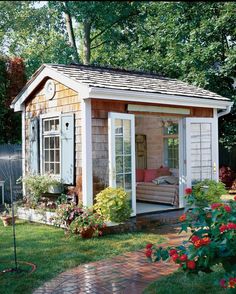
column 50, row 89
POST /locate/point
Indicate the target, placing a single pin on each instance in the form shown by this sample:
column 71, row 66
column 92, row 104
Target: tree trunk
column 70, row 32
column 87, row 42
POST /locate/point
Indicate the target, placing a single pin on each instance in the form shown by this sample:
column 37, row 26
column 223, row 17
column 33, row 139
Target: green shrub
column 113, row 204
column 208, row 191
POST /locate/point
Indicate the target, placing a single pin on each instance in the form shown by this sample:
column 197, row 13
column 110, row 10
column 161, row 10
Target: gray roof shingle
column 133, row 81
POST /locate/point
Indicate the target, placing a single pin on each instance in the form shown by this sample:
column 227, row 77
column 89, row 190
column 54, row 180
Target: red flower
column 195, row 238
column 223, row 228
column 149, row 246
column 191, row 264
column 188, row 191
column 227, row 208
column 232, row 283
column 235, row 197
column 183, row 257
column 231, row 226
column 183, row 217
column 206, row 241
column 172, row 252
column 148, row 252
column 216, row 205
column 175, row 257
column 222, row 283
column 198, row 243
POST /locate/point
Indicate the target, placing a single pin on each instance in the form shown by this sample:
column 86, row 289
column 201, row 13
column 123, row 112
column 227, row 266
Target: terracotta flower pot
column 7, row 220
column 87, row 233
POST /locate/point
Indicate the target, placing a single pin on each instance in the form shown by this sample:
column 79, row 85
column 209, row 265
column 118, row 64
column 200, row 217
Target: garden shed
column 93, row 127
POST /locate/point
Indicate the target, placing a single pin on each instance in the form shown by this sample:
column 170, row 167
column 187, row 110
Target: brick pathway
column 129, row 273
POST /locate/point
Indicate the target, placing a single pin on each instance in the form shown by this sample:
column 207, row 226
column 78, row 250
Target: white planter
column 33, row 215
column 55, row 189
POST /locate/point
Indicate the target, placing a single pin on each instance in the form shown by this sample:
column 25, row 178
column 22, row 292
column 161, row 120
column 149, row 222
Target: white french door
column 201, row 150
column 122, row 154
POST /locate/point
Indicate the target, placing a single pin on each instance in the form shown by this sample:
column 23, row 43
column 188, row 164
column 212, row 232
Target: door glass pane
column 201, row 151
column 119, row 145
column 118, row 127
column 127, row 161
column 120, row 181
column 119, row 164
column 128, row 184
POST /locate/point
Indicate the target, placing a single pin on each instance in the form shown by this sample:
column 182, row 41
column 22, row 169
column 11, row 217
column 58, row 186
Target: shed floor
column 142, row 207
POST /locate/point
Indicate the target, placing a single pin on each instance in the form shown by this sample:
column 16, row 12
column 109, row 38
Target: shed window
column 171, row 145
column 51, row 145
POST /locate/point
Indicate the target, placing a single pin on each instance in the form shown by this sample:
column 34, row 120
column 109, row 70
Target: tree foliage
column 12, row 79
column 191, row 41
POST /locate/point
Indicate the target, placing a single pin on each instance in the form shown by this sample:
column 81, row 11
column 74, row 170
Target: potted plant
column 87, row 224
column 79, row 220
column 6, row 216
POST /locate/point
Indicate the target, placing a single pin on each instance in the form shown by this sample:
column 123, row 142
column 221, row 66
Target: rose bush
column 212, row 238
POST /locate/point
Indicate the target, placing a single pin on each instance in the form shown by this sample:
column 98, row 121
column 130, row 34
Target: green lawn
column 180, row 283
column 52, row 252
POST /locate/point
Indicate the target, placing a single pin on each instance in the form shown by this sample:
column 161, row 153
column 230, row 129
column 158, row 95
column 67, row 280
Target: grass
column 52, row 252
column 180, row 283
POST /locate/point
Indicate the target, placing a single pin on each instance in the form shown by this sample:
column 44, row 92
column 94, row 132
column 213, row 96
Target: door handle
column 214, row 167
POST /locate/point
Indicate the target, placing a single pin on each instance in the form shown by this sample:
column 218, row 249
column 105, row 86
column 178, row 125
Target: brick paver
column 128, row 273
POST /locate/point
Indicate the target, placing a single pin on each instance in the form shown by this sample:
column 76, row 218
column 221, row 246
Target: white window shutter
column 67, row 148
column 34, row 145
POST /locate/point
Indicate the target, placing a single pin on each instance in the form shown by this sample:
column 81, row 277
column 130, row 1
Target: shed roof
column 131, row 80
column 101, row 83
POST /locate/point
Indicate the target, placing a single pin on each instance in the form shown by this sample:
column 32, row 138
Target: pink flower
column 222, row 283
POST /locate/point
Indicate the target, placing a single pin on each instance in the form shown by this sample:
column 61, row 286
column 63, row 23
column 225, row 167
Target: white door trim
column 87, row 165
column 182, row 163
column 214, row 143
column 111, row 143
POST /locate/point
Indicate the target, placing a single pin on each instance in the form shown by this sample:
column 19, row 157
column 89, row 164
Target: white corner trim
column 156, row 98
column 23, row 136
column 87, row 166
column 158, row 109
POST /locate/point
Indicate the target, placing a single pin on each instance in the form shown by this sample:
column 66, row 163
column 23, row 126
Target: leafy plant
column 208, row 191
column 36, row 185
column 113, row 204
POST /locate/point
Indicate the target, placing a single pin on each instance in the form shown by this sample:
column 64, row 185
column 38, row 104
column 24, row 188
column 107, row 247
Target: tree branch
column 114, row 23
column 100, row 44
